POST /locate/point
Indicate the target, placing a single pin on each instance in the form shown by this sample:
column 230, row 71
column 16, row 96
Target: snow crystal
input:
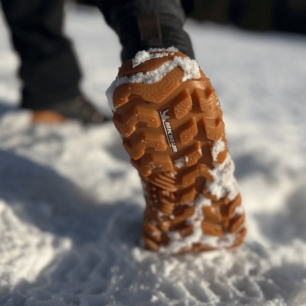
column 221, row 242
column 172, row 174
column 224, row 183
column 218, row 146
column 177, row 241
column 202, row 201
column 110, row 91
column 180, row 162
column 174, row 235
column 190, row 67
column 143, row 56
column 239, row 210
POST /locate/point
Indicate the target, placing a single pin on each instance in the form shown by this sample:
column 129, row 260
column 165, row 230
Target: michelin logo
column 168, row 129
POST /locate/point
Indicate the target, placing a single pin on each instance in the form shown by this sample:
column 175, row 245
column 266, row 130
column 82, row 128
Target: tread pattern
column 154, row 93
column 126, row 125
column 163, row 180
column 137, row 148
column 152, row 231
column 230, row 211
column 149, row 117
column 127, row 68
column 148, row 162
column 207, row 101
column 188, row 131
column 212, row 229
column 189, row 176
column 214, row 128
column 236, row 223
column 193, row 154
column 182, row 104
column 187, row 195
column 212, row 213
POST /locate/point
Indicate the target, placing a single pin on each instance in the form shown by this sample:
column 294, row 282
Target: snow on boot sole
column 170, row 120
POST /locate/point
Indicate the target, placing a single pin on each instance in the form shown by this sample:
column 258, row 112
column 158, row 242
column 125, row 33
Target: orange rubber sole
column 174, row 133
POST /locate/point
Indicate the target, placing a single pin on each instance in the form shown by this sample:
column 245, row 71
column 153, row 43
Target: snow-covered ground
column 71, row 204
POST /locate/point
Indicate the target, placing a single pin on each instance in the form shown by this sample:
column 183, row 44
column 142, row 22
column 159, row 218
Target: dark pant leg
column 123, row 17
column 49, row 69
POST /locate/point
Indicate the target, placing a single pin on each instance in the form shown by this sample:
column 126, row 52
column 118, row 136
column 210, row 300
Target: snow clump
column 190, row 67
column 218, row 147
column 224, row 183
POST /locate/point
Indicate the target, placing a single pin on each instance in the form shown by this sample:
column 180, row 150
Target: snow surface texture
column 190, row 67
column 218, row 147
column 180, row 162
column 143, row 56
column 224, row 183
column 71, row 204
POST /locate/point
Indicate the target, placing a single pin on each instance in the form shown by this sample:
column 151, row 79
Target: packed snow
column 218, row 147
column 224, row 183
column 71, row 204
column 178, row 242
column 144, row 55
column 190, row 67
column 180, row 162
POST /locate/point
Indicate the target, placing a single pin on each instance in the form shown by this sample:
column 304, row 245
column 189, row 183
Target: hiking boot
column 170, row 120
column 78, row 108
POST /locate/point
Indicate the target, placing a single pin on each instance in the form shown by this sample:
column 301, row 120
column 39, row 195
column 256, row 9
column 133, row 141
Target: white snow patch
column 218, row 147
column 143, row 56
column 239, row 210
column 177, row 241
column 224, row 183
column 180, row 162
column 190, row 67
column 225, row 241
column 37, row 249
column 110, row 91
column 173, row 175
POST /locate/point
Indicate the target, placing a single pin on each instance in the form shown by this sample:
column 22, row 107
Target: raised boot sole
column 174, row 132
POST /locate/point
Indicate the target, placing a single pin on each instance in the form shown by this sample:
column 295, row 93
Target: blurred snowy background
column 71, row 204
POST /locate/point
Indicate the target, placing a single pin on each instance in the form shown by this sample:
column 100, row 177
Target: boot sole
column 174, row 133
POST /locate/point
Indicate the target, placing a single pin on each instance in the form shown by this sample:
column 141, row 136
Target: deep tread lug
column 214, row 128
column 212, row 213
column 148, row 162
column 145, row 140
column 127, row 125
column 207, row 101
column 188, row 131
column 212, row 229
column 193, row 154
column 187, row 195
column 182, row 104
column 236, row 223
